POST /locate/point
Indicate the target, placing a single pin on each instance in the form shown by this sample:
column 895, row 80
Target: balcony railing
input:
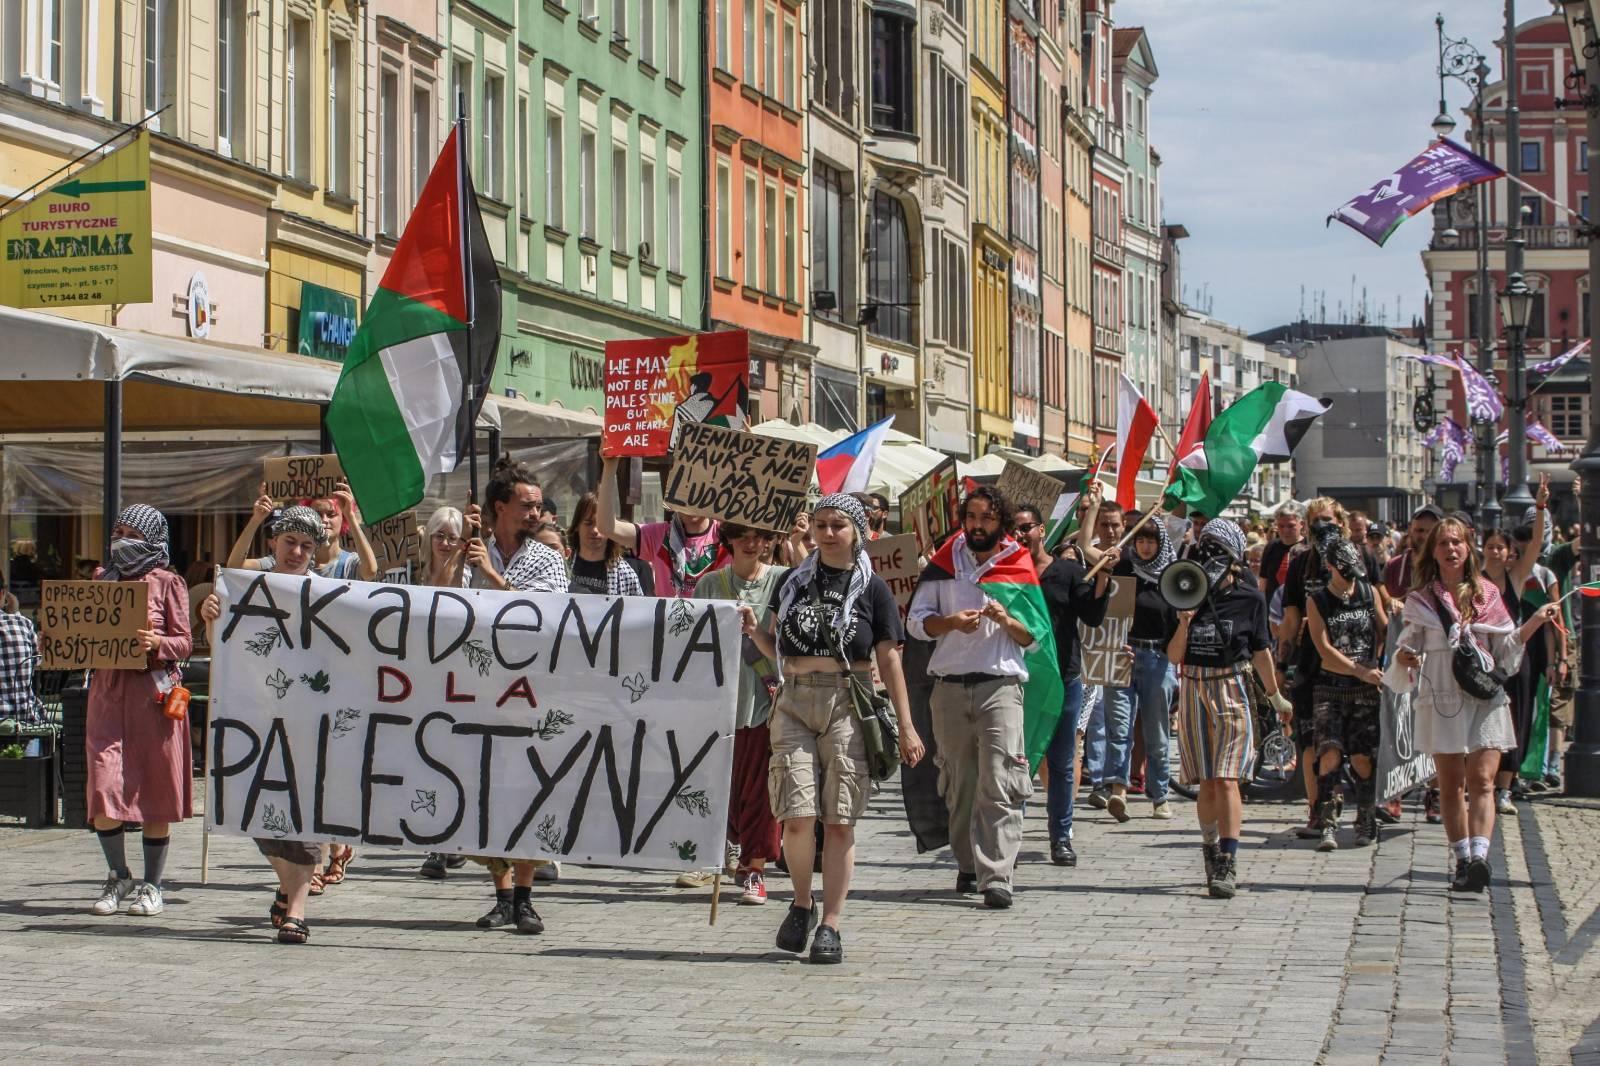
column 1536, row 236
column 1109, row 340
column 1111, row 253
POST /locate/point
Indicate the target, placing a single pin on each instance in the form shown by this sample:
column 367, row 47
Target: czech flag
column 846, row 466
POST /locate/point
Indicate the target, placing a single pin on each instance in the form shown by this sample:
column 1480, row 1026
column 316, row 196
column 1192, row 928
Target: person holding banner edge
column 831, row 607
column 331, row 560
column 139, row 760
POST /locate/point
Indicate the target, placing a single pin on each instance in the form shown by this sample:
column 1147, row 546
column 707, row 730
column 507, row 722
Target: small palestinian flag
column 1591, row 589
column 1063, row 521
column 1008, row 578
column 406, row 403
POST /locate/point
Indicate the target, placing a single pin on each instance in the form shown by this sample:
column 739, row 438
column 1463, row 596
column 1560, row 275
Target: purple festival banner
column 1550, row 366
column 1438, row 172
column 1483, row 403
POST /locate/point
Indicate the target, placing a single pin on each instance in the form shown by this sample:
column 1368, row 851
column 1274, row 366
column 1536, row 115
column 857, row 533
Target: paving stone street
column 1356, row 956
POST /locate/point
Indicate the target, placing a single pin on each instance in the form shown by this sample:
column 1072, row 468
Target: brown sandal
column 294, row 931
column 338, row 858
column 316, row 883
column 279, row 911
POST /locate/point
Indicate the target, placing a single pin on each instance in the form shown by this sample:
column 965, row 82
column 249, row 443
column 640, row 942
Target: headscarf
column 1225, row 535
column 135, row 558
column 1151, row 571
column 300, row 519
column 801, row 577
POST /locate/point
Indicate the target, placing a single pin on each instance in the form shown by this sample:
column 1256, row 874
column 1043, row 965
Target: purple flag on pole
column 1550, row 366
column 1454, row 438
column 1448, row 360
column 1438, row 172
column 1483, row 403
column 1543, row 437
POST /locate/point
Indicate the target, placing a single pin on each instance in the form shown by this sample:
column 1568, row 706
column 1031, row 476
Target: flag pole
column 464, row 190
column 1095, row 569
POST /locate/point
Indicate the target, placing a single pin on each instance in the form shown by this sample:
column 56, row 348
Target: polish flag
column 846, row 466
column 1191, row 443
column 1136, row 424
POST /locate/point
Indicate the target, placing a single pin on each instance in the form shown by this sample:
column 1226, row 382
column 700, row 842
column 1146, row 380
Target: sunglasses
column 1026, row 527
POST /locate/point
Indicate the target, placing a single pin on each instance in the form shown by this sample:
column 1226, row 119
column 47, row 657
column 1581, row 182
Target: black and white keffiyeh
column 1151, row 571
column 135, row 558
column 802, row 576
column 621, row 580
column 1226, row 535
column 300, row 519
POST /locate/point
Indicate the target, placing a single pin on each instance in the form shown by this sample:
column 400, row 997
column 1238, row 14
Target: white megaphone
column 1184, row 585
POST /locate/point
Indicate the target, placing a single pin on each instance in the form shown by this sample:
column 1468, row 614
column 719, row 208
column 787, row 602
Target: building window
column 889, row 313
column 555, row 177
column 674, row 40
column 586, row 183
column 231, row 102
column 893, row 70
column 674, row 220
column 619, row 198
column 752, row 231
column 722, row 34
column 1569, row 416
column 832, row 50
column 388, row 151
column 1583, row 155
column 525, row 156
column 1532, row 157
column 769, row 56
column 791, row 261
column 161, row 57
column 1532, row 211
column 769, row 237
column 724, row 219
column 647, row 210
column 50, row 16
column 298, row 75
column 748, row 74
column 341, row 107
column 619, row 20
column 789, row 37
column 493, row 166
column 421, row 140
column 647, row 31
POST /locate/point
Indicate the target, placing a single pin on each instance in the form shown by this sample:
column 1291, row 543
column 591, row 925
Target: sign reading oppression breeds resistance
column 589, row 728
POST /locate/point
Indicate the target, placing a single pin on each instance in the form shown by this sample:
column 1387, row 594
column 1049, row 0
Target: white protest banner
column 1103, row 661
column 743, row 478
column 397, row 545
column 895, row 560
column 587, row 728
column 301, row 477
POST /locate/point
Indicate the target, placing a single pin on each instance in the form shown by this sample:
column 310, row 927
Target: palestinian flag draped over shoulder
column 1008, row 578
column 1262, row 426
column 401, row 412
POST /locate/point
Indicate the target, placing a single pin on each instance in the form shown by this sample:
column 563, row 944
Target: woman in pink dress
column 139, row 759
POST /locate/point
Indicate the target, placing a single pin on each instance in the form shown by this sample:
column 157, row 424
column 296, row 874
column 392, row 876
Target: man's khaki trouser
column 983, row 774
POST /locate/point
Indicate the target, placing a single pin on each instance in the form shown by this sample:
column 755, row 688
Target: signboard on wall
column 327, row 322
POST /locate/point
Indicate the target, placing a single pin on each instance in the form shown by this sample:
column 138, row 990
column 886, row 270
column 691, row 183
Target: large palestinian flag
column 1262, row 426
column 1008, row 578
column 403, row 409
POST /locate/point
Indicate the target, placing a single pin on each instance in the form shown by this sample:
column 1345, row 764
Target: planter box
column 27, row 789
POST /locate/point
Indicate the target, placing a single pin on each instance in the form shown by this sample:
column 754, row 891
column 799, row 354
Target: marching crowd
column 1304, row 631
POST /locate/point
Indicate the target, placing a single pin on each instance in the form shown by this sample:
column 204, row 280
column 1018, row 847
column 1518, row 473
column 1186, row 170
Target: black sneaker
column 966, row 884
column 1211, row 853
column 455, row 862
column 797, row 925
column 1458, row 883
column 528, row 921
column 997, row 898
column 1366, row 826
column 1311, row 830
column 826, row 949
column 500, row 914
column 432, row 867
column 1479, row 874
column 1061, row 853
column 1225, row 878
column 1553, row 782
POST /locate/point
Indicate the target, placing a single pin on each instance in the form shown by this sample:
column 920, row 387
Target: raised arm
column 352, row 521
column 241, row 548
column 620, row 530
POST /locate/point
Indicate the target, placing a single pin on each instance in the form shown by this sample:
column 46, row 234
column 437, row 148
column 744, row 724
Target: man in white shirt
column 978, row 668
column 510, row 558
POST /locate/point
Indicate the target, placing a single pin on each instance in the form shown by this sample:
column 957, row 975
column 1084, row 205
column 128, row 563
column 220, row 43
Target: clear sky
column 1269, row 114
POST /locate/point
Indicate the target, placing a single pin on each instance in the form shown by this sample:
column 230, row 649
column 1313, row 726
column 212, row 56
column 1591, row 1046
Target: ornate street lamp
column 1516, row 309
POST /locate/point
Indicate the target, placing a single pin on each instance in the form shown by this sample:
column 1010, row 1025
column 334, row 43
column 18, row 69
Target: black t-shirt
column 588, row 576
column 1149, row 606
column 1227, row 629
column 1352, row 627
column 801, row 631
column 1273, row 558
column 1071, row 600
column 1308, row 575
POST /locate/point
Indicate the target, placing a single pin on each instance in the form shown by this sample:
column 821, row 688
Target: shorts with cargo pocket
column 819, row 757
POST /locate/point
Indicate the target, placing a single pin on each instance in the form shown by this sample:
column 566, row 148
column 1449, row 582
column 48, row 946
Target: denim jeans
column 1094, row 738
column 1147, row 697
column 1062, row 754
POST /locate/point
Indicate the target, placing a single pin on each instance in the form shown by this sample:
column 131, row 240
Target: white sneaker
column 695, row 879
column 147, row 902
column 1162, row 810
column 112, row 893
column 1503, row 802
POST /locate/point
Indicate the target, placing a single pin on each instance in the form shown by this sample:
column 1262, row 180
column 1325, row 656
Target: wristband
column 1541, row 506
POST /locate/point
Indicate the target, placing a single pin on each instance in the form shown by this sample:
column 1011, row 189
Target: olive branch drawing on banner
column 477, row 656
column 694, row 802
column 548, row 833
column 264, row 641
column 554, row 724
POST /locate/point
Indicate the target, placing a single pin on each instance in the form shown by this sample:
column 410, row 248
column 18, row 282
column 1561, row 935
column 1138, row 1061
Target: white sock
column 1462, row 848
column 1480, row 847
column 1208, row 832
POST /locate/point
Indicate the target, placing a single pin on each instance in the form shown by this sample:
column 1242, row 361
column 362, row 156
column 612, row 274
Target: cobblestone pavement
column 1353, row 956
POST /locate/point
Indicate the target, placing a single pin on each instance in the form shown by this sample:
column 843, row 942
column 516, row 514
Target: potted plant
column 25, row 786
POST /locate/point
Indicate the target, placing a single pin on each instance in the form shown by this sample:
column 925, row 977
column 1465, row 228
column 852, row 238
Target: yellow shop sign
column 85, row 240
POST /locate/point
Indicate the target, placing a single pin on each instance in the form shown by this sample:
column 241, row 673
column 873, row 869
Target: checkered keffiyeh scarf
column 135, row 558
column 801, row 577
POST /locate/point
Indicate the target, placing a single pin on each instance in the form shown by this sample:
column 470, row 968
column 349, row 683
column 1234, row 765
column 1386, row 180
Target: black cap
column 1428, row 510
column 1377, row 529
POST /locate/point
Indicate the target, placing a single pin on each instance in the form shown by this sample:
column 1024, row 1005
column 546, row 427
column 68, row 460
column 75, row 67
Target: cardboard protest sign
column 397, row 544
column 895, row 560
column 583, row 728
column 93, row 624
column 739, row 477
column 301, row 477
column 1103, row 661
column 931, row 506
column 1021, row 485
column 656, row 387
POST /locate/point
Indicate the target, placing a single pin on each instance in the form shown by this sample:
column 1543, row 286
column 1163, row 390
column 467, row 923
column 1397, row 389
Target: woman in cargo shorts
column 830, row 607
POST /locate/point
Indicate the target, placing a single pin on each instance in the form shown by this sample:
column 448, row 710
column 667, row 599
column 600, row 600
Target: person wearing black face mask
column 1347, row 624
